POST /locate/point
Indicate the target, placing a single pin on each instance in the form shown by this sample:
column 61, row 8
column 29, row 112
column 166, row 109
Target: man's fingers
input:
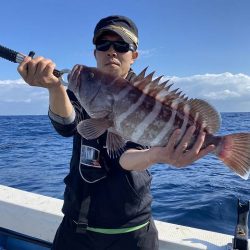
column 205, row 151
column 185, row 140
column 36, row 70
column 49, row 68
column 41, row 66
column 173, row 140
column 199, row 142
column 28, row 68
column 32, row 68
column 188, row 135
column 23, row 67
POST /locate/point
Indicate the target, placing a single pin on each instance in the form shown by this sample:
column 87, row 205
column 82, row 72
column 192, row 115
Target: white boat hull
column 39, row 216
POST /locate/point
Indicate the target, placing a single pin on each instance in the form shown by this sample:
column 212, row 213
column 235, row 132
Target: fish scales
column 136, row 112
column 145, row 118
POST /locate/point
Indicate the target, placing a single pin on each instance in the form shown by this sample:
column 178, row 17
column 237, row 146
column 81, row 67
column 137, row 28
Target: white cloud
column 146, row 53
column 12, row 82
column 18, row 101
column 222, row 95
column 226, row 92
column 17, row 97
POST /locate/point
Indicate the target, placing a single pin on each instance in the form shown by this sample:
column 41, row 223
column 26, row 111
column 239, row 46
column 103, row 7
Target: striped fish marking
column 145, row 123
column 147, row 111
column 122, row 117
column 166, row 131
column 185, row 122
column 123, row 93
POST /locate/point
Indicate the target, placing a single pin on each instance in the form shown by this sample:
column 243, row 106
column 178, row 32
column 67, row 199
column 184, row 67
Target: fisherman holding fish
column 107, row 200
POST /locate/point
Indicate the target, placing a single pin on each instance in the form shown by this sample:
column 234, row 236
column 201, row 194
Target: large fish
column 147, row 112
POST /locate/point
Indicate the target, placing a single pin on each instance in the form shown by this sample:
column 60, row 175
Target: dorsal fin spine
column 157, row 90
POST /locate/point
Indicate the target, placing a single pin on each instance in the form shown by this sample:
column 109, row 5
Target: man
column 107, row 202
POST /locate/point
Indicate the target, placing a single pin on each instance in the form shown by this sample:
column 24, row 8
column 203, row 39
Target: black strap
column 240, row 240
column 82, row 224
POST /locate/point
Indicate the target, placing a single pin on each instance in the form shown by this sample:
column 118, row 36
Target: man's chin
column 112, row 69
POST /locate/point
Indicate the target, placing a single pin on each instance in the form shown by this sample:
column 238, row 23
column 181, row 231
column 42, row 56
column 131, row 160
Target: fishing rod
column 18, row 57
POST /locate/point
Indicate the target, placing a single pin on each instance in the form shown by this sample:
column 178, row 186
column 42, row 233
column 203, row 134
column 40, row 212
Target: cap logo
column 127, row 32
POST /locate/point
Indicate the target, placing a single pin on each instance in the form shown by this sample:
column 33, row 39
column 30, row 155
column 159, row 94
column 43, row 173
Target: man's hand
column 179, row 156
column 38, row 72
column 134, row 159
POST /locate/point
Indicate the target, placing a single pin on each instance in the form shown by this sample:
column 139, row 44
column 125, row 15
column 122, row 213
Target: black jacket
column 119, row 198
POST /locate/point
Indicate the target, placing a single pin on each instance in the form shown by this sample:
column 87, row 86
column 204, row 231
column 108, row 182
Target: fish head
column 90, row 87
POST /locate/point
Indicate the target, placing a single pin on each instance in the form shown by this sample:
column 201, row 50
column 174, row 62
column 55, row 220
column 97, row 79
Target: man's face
column 112, row 61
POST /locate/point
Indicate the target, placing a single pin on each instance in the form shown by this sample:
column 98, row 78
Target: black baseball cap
column 121, row 25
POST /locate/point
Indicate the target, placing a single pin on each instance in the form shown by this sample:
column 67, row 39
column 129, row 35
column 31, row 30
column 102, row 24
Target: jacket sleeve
column 67, row 126
column 112, row 163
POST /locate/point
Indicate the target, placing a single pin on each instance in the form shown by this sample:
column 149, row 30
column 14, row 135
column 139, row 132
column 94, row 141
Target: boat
column 28, row 221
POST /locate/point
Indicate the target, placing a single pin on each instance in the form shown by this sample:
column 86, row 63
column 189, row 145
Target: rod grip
column 8, row 54
column 57, row 73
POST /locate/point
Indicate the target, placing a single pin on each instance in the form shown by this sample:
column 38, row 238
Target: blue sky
column 203, row 45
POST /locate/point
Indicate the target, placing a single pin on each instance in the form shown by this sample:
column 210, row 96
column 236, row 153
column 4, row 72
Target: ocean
column 203, row 195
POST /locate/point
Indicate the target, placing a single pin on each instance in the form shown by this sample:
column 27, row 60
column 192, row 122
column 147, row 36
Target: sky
column 203, row 46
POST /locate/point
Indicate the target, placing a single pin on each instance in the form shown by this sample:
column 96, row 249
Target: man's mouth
column 112, row 63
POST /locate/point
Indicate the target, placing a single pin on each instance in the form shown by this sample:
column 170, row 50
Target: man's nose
column 111, row 51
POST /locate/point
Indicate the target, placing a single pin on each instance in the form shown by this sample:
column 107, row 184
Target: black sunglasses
column 119, row 46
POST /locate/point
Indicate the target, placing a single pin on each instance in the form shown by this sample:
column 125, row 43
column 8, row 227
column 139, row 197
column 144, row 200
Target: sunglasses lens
column 103, row 45
column 119, row 46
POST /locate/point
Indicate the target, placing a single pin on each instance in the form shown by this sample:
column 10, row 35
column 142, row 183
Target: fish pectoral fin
column 93, row 128
column 115, row 144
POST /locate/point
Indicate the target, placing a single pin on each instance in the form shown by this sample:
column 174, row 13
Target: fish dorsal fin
column 158, row 90
column 140, row 76
column 200, row 110
column 205, row 114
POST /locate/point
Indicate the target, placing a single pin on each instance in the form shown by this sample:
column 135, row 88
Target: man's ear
column 135, row 54
column 95, row 53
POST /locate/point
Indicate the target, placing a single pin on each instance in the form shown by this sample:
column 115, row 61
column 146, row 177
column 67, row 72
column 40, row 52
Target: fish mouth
column 73, row 78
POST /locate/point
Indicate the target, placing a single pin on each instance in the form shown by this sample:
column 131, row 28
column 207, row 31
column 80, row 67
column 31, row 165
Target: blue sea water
column 203, row 195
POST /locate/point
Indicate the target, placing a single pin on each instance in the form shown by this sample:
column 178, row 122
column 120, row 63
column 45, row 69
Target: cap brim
column 118, row 32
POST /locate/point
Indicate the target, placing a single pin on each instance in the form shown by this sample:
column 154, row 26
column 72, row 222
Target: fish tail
column 234, row 151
